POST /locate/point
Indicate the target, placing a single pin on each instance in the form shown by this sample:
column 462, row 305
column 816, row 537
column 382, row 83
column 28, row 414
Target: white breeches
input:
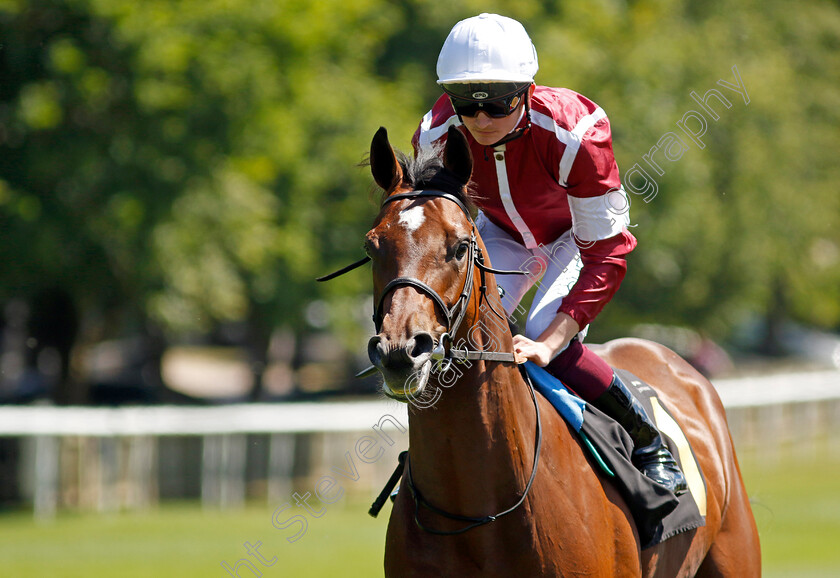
column 553, row 267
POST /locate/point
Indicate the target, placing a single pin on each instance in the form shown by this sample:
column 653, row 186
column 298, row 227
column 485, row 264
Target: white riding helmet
column 487, row 48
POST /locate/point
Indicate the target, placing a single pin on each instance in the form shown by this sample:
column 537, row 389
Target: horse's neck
column 472, row 451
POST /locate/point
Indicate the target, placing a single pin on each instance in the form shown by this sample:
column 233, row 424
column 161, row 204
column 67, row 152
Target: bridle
column 454, row 315
column 444, row 349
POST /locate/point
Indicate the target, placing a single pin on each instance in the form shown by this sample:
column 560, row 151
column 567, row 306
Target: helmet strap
column 518, row 132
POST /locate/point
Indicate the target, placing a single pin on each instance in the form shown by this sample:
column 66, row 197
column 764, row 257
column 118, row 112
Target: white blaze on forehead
column 412, row 218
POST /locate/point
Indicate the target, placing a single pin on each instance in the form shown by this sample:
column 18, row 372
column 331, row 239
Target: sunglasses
column 497, row 99
column 498, row 108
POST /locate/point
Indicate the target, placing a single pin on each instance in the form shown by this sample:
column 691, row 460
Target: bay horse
column 496, row 483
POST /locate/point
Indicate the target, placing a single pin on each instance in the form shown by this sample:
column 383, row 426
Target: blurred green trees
column 178, row 164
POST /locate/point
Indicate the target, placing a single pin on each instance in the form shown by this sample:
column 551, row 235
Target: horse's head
column 422, row 246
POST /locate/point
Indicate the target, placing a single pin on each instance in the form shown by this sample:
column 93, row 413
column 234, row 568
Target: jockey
column 551, row 204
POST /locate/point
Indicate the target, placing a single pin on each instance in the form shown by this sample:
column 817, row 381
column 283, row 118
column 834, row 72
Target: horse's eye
column 462, row 250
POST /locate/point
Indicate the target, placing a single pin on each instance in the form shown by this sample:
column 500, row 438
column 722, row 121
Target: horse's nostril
column 383, row 353
column 423, row 343
column 375, row 350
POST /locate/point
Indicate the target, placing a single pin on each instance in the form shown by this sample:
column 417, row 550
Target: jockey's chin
column 487, row 130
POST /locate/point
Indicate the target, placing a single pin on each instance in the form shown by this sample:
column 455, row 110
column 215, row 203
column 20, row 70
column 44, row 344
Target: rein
column 472, row 522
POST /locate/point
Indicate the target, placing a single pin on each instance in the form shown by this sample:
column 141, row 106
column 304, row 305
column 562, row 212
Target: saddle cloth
column 657, row 512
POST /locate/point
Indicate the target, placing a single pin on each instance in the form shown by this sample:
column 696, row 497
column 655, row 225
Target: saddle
column 657, row 512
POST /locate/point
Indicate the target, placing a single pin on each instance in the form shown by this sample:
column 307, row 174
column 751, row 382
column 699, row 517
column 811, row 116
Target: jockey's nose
column 411, row 354
column 482, row 119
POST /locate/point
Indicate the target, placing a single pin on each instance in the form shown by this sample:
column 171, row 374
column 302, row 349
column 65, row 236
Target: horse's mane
column 425, row 170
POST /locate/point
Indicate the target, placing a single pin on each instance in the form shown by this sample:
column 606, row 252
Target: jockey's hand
column 550, row 342
column 525, row 349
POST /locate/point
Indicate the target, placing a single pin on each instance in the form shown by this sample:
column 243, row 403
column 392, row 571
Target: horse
column 495, row 482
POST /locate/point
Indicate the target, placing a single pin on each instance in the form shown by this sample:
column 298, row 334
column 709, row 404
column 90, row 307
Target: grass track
column 797, row 507
column 185, row 542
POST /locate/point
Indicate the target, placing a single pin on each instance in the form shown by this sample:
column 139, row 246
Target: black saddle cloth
column 658, row 513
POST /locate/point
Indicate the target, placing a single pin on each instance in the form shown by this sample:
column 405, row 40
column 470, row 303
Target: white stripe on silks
column 548, row 123
column 428, row 135
column 571, row 139
column 507, row 199
column 570, row 153
column 596, row 218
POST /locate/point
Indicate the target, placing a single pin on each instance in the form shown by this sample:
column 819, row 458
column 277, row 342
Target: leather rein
column 454, row 316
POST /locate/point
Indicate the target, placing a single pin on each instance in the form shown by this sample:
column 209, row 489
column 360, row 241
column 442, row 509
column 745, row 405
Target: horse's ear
column 383, row 162
column 457, row 156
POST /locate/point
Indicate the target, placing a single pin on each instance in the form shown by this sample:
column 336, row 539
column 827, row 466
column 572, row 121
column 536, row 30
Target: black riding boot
column 650, row 454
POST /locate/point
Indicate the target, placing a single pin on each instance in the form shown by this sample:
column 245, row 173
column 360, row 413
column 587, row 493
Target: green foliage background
column 194, row 162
